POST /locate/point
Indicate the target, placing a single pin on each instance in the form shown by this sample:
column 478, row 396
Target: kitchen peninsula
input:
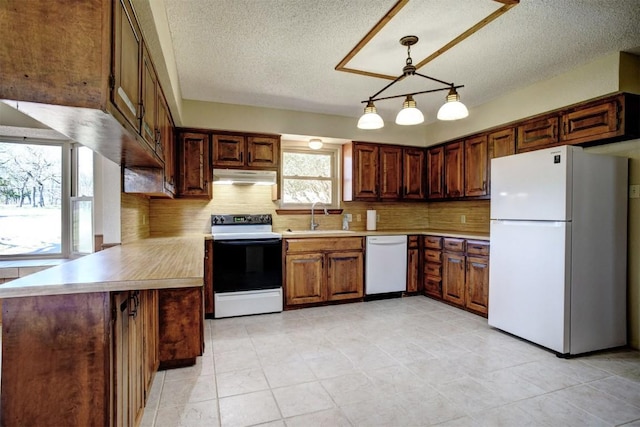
column 82, row 341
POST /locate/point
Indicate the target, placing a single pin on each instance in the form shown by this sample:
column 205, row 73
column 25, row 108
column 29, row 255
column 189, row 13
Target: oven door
column 247, row 265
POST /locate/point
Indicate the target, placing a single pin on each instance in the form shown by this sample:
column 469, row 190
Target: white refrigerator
column 557, row 272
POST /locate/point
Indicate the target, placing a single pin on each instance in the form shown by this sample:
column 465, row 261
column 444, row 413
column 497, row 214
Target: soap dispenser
column 345, row 222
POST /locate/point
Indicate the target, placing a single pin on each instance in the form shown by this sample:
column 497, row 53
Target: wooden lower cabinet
column 453, row 266
column 318, row 270
column 304, row 278
column 458, row 273
column 414, row 282
column 88, row 359
column 432, row 255
column 344, row 275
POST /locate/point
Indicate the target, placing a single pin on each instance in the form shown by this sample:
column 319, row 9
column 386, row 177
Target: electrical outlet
column 349, row 217
column 144, row 219
column 377, row 217
column 463, row 219
column 634, row 191
column 358, row 218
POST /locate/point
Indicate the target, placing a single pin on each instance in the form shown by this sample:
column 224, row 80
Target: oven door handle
column 248, row 242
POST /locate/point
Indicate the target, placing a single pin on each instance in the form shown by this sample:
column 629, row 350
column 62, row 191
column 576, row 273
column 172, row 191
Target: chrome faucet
column 314, row 225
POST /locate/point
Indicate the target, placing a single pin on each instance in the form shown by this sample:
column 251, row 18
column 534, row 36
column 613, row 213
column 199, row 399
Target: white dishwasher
column 386, row 264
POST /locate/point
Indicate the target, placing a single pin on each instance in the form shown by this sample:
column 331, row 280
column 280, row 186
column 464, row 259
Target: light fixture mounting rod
column 412, row 93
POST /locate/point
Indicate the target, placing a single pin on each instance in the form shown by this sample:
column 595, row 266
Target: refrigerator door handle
column 529, row 223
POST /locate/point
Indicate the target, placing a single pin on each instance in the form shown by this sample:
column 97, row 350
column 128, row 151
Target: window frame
column 335, row 151
column 69, row 176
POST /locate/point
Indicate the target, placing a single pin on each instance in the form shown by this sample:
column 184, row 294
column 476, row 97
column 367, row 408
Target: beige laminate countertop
column 154, row 263
column 353, row 233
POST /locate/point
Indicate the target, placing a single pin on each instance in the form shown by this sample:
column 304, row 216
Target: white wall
column 106, row 200
column 245, row 118
column 597, row 78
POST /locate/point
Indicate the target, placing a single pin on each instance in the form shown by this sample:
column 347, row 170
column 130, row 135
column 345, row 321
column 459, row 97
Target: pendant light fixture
column 453, row 109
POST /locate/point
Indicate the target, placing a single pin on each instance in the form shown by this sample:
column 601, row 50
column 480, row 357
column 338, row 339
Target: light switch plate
column 634, row 191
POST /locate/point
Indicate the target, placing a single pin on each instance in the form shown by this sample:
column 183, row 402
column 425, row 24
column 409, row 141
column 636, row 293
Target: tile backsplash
column 187, row 216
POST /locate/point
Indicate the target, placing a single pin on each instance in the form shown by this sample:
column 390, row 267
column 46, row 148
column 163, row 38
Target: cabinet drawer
column 431, row 255
column 433, row 271
column 477, row 247
column 413, row 242
column 433, row 242
column 453, row 245
column 323, row 244
column 600, row 121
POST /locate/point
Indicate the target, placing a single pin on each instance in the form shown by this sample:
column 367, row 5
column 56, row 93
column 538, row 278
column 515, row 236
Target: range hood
column 243, row 177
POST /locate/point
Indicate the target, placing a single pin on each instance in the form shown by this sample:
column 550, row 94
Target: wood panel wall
column 188, row 216
column 134, row 218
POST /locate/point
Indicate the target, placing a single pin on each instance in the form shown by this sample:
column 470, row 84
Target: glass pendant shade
column 370, row 119
column 409, row 115
column 453, row 109
column 315, row 144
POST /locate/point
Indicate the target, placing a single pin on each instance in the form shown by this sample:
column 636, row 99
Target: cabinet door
column 263, row 151
column 537, row 133
column 151, row 363
column 121, row 362
column 413, row 183
column 475, row 166
column 453, row 283
column 345, row 275
column 228, row 151
column 502, row 143
column 413, row 270
column 166, row 144
column 435, row 170
column 453, row 170
column 127, row 42
column 136, row 358
column 180, row 326
column 365, row 163
column 477, row 286
column 304, row 278
column 591, row 123
column 390, row 171
column 194, row 166
column 148, row 124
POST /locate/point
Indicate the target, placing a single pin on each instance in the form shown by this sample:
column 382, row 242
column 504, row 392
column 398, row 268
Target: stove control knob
column 221, row 220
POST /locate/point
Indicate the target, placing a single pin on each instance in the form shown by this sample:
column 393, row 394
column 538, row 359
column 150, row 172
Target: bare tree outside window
column 30, row 198
column 309, row 176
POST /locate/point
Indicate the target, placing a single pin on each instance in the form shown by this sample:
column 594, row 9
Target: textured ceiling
column 282, row 53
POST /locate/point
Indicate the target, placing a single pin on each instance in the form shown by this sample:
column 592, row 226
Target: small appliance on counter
column 247, row 265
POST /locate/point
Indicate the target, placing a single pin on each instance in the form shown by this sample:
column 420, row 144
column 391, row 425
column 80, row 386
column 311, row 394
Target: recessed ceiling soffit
column 439, row 25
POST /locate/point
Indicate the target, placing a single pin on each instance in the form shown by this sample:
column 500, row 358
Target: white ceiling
column 282, row 53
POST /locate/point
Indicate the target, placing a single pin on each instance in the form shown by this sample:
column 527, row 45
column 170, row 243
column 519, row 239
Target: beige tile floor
column 399, row 362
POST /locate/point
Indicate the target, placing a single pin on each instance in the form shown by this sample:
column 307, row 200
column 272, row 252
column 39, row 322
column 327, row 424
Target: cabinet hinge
column 112, row 81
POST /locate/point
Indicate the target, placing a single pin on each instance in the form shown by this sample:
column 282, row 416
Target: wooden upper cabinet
column 502, row 143
column 263, row 151
column 127, row 45
column 167, row 144
column 241, row 151
column 538, row 133
column 228, row 150
column 587, row 123
column 435, row 171
column 194, row 166
column 390, row 171
column 414, row 174
column 453, row 170
column 148, row 114
column 365, row 173
column 475, row 166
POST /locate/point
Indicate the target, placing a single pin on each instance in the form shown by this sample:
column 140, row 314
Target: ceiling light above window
column 315, row 143
column 453, row 109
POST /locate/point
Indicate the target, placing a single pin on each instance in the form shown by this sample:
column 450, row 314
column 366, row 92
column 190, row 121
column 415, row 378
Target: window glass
column 30, row 199
column 85, row 172
column 82, row 231
column 309, row 176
